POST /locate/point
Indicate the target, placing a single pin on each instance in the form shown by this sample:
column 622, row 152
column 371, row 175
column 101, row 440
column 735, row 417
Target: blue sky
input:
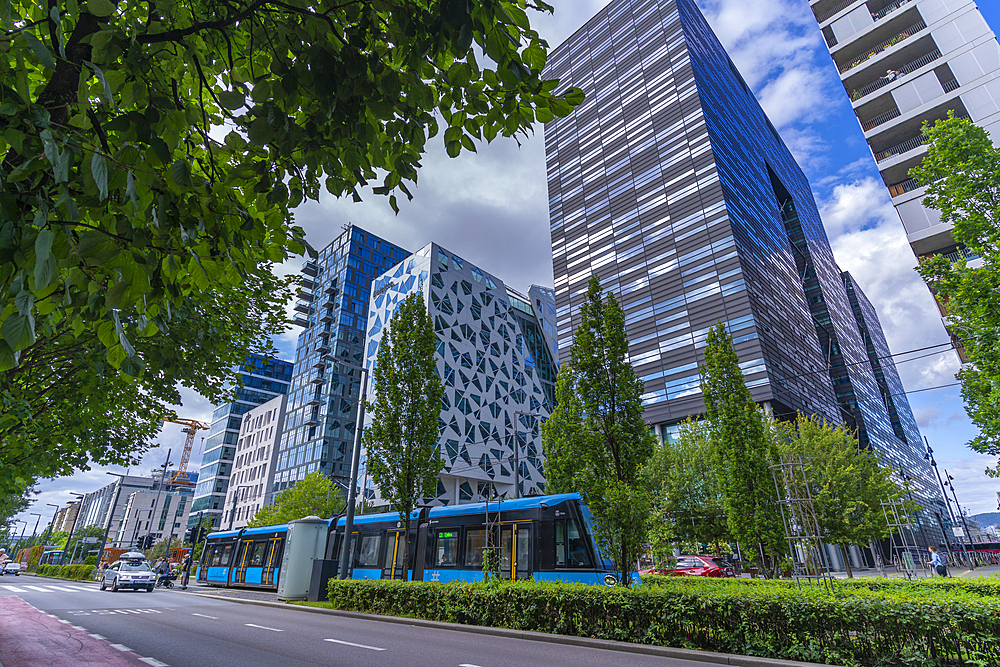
column 491, row 207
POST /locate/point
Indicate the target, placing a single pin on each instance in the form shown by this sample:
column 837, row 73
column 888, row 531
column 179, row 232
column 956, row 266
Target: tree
column 78, row 545
column 962, row 172
column 404, row 456
column 595, row 441
column 13, row 502
column 848, row 484
column 313, row 495
column 686, row 488
column 743, row 452
column 154, row 151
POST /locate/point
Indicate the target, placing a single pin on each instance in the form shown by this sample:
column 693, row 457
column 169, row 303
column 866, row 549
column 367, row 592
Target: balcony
column 880, row 119
column 303, row 307
column 961, row 255
column 900, row 148
column 882, row 81
column 328, row 317
column 833, row 11
column 901, row 188
column 305, row 296
column 887, row 44
column 310, row 269
column 300, row 322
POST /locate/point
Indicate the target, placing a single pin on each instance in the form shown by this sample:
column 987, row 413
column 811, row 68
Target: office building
column 322, row 408
column 253, row 469
column 496, row 366
column 162, row 515
column 96, row 507
column 671, row 186
column 65, row 517
column 904, row 63
column 262, row 379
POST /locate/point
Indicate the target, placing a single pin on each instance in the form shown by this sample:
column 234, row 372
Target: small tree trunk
column 406, row 548
column 847, row 561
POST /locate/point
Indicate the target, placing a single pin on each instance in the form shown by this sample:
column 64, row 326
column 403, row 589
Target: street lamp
column 35, row 529
column 355, row 462
column 51, row 523
column 163, row 479
column 968, row 533
column 73, row 525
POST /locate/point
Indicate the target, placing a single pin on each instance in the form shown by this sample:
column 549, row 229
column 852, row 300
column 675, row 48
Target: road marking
column 370, row 648
column 214, row 618
column 66, row 589
column 39, row 589
column 62, row 620
column 120, row 647
column 77, row 627
column 262, row 627
column 468, row 665
column 154, row 662
column 97, row 636
column 13, row 589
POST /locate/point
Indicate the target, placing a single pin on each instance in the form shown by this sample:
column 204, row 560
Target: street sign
column 958, row 531
column 91, row 540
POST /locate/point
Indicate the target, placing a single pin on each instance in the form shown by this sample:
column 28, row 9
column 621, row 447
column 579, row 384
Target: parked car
column 701, row 566
column 11, row 567
column 133, row 573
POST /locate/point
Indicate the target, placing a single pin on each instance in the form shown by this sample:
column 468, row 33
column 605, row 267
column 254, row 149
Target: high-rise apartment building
column 495, row 363
column 321, row 413
column 253, row 469
column 903, row 63
column 262, row 379
column 671, row 186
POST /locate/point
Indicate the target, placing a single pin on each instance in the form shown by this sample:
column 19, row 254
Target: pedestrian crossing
column 48, row 588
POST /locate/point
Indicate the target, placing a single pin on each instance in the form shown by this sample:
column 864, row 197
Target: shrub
column 74, row 572
column 874, row 624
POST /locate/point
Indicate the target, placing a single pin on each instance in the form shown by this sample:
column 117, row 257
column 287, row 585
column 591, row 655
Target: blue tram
column 545, row 538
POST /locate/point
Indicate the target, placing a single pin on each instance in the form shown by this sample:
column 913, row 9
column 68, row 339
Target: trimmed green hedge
column 858, row 625
column 981, row 586
column 74, row 572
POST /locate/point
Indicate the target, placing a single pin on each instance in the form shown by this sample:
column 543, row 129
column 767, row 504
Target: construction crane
column 191, row 428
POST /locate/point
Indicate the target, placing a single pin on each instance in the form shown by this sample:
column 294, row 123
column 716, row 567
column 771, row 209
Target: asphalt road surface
column 179, row 629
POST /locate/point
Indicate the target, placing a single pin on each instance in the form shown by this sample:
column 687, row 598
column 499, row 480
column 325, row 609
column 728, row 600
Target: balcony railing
column 880, row 119
column 890, row 8
column 901, row 148
column 836, row 9
column 889, row 43
column 961, row 255
column 903, row 71
column 903, row 187
column 950, row 85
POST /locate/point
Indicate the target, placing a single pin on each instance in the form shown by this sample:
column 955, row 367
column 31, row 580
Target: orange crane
column 191, row 428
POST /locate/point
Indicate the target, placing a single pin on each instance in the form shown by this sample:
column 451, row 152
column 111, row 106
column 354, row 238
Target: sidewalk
column 29, row 637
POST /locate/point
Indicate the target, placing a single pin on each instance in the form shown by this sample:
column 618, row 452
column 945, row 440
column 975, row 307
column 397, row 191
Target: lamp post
column 355, row 462
column 163, row 480
column 111, row 513
column 73, row 525
column 22, row 531
column 929, row 457
column 34, row 531
column 958, row 507
column 51, row 523
column 236, row 497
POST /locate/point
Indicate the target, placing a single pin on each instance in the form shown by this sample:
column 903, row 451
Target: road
column 174, row 628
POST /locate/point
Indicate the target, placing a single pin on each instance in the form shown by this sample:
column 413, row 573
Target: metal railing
column 880, row 119
column 950, row 85
column 901, row 148
column 909, row 67
column 889, row 9
column 836, row 9
column 892, row 41
column 959, row 255
column 901, row 188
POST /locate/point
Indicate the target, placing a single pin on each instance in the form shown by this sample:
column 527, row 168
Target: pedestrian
column 939, row 562
column 892, row 74
column 185, row 571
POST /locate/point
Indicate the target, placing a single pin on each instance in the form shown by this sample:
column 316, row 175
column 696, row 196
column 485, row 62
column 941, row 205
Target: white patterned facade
column 496, row 366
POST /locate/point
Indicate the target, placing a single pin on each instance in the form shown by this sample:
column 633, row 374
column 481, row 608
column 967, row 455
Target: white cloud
column 975, row 491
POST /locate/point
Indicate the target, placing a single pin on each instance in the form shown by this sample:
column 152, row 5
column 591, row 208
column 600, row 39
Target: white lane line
column 370, row 648
column 120, row 647
column 62, row 620
column 77, row 627
column 154, row 662
column 97, row 636
column 13, row 589
column 262, row 627
column 214, row 618
column 38, row 588
column 64, row 589
column 468, row 665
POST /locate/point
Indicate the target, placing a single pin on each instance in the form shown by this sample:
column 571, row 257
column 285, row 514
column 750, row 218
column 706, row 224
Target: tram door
column 272, row 561
column 515, row 550
column 394, row 567
column 242, row 561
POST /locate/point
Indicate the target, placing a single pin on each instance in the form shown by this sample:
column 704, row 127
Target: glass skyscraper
column 322, row 408
column 670, row 184
column 262, row 380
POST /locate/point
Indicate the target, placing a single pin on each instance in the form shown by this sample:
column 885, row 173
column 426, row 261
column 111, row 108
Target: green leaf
column 107, row 334
column 102, row 8
column 100, row 77
column 40, row 50
column 232, row 99
column 116, row 355
column 24, row 301
column 19, row 331
column 99, row 169
column 181, row 173
column 45, row 263
column 116, row 295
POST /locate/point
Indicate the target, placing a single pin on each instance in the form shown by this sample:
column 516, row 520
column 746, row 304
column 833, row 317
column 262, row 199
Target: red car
column 702, row 566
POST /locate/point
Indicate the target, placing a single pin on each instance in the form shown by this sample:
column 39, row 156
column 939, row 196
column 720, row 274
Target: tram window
column 257, row 560
column 447, row 548
column 226, row 556
column 369, row 551
column 571, row 547
column 216, row 558
column 475, row 543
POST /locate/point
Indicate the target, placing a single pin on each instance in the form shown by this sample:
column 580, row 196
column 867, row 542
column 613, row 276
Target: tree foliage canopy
column 313, row 495
column 153, row 152
column 595, row 441
column 962, row 172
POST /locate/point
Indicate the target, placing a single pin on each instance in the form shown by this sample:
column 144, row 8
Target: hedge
column 74, row 572
column 856, row 625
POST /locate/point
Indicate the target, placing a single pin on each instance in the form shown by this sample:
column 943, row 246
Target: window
column 257, row 559
column 447, row 548
column 571, row 547
column 368, row 556
column 475, row 544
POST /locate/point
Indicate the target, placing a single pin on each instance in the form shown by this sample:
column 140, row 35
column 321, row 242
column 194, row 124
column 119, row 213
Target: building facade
column 252, row 478
column 903, row 63
column 497, row 369
column 262, row 380
column 64, row 517
column 96, row 507
column 671, row 185
column 318, row 433
column 161, row 515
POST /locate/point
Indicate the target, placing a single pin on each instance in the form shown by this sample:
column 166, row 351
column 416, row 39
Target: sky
column 490, row 207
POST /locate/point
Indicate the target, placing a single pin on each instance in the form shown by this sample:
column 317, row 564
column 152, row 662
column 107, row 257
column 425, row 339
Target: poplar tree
column 743, row 451
column 313, row 495
column 595, row 441
column 404, row 457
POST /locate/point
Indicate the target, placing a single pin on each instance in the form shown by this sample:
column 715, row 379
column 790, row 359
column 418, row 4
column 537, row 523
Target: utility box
column 306, row 542
column 322, row 572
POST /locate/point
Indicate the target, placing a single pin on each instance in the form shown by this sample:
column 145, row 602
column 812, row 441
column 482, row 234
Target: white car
column 11, row 567
column 134, row 574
